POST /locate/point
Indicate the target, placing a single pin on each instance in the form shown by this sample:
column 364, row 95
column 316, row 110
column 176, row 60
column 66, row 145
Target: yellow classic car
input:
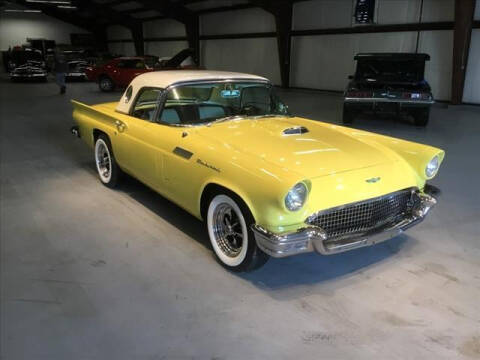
column 225, row 148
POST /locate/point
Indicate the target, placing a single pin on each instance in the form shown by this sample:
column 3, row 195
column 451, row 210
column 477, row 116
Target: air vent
column 297, row 130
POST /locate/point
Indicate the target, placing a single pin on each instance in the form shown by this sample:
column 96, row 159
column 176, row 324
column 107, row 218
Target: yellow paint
column 252, row 158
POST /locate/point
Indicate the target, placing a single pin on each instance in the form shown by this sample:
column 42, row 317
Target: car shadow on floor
column 165, row 209
column 278, row 274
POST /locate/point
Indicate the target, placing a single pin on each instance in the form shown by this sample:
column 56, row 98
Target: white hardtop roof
column 166, row 78
column 163, row 79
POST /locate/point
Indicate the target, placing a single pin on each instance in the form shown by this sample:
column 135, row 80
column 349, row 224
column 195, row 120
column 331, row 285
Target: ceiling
column 94, row 13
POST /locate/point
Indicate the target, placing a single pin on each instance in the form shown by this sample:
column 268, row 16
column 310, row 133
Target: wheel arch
column 97, row 132
column 213, row 188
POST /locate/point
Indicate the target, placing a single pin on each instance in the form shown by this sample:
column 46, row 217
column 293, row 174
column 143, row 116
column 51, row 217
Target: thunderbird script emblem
column 373, row 180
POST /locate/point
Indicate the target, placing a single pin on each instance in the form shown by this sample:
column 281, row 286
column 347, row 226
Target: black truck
column 389, row 83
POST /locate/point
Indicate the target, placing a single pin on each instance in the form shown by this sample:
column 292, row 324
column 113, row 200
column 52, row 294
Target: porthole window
column 128, row 94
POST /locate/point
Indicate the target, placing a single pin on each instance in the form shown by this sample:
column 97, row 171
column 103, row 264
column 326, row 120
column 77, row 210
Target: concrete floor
column 92, row 273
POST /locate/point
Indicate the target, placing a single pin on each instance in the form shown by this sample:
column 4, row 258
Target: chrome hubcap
column 105, row 84
column 227, row 230
column 103, row 160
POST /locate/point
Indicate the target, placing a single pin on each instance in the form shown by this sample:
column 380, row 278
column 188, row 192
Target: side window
column 131, row 64
column 128, row 94
column 146, row 104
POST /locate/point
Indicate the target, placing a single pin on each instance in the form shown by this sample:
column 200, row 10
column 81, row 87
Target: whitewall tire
column 107, row 168
column 228, row 223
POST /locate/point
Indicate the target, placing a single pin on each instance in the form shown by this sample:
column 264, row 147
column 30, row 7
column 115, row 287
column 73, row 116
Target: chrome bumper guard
column 313, row 238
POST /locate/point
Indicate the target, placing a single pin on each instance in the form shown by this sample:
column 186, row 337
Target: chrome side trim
column 313, row 238
column 388, row 100
column 182, row 153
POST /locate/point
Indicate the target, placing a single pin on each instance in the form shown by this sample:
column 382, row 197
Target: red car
column 120, row 72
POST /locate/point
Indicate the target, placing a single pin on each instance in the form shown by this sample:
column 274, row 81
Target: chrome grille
column 364, row 215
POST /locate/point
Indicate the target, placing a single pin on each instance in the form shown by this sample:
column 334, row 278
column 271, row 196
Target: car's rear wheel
column 228, row 222
column 107, row 168
column 106, row 84
column 420, row 116
column 347, row 115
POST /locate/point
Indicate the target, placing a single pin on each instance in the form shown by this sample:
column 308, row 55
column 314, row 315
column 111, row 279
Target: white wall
column 117, row 32
column 438, row 71
column 16, row 27
column 151, row 29
column 471, row 92
column 256, row 56
column 163, row 28
column 322, row 14
column 324, row 62
column 237, row 22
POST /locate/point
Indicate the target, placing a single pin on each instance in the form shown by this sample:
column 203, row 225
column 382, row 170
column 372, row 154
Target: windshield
column 207, row 102
column 390, row 70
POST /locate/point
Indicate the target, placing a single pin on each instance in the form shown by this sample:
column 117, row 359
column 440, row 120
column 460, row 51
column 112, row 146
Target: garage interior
column 93, row 273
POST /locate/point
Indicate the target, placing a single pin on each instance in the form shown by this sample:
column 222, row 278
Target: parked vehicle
column 389, row 83
column 224, row 147
column 121, row 71
column 77, row 65
column 27, row 64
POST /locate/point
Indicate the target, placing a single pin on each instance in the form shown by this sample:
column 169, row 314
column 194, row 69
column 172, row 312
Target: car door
column 135, row 145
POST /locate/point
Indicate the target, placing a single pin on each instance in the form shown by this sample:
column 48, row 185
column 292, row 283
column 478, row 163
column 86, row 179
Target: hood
column 302, row 146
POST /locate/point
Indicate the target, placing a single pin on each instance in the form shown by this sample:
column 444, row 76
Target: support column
column 101, row 40
column 192, row 28
column 137, row 35
column 283, row 22
column 464, row 10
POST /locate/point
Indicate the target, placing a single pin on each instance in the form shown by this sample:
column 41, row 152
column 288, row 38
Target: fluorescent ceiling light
column 66, row 7
column 49, row 2
column 22, row 11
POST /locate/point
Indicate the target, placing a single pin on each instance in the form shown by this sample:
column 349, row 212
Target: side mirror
column 350, row 77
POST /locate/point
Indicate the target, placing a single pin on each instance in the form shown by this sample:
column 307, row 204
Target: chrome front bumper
column 313, row 238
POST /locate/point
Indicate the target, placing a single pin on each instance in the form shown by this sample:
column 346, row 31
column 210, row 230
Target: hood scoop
column 297, row 130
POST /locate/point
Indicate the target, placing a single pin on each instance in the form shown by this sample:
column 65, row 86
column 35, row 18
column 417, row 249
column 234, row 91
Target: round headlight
column 296, row 197
column 432, row 167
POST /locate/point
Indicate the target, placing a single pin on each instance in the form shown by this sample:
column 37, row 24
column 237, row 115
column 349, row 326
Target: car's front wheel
column 107, row 168
column 228, row 223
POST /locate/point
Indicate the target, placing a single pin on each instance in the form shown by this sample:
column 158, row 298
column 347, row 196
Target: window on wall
column 364, row 11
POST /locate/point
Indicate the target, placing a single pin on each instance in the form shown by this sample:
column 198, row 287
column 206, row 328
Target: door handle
column 120, row 125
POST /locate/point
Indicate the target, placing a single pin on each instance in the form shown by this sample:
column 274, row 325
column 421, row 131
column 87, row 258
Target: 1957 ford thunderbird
column 224, row 147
